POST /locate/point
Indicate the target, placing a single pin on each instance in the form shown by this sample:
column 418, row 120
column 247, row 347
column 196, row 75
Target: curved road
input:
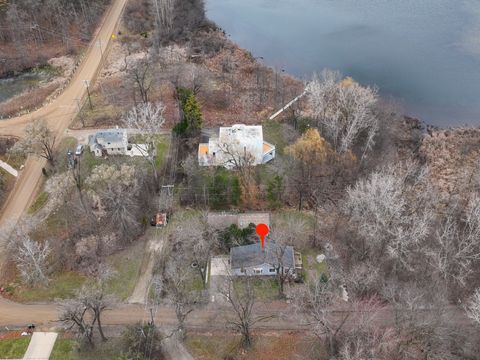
column 59, row 114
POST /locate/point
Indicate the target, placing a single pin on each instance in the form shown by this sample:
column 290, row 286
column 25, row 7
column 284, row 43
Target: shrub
column 274, row 191
column 234, row 236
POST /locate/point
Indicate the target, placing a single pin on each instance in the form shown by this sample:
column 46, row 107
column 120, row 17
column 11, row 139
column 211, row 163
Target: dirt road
column 58, row 114
column 211, row 317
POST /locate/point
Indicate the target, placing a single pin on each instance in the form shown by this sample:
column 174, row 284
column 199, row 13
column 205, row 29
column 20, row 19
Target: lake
column 424, row 54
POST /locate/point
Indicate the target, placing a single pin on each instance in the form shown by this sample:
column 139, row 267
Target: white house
column 114, row 142
column 234, row 144
column 253, row 260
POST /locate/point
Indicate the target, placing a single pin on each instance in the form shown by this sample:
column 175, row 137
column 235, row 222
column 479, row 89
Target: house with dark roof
column 253, row 260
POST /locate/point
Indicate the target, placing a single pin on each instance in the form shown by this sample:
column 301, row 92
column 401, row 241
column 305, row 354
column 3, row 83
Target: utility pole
column 79, row 106
column 87, row 85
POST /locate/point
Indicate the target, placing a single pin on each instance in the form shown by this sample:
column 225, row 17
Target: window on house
column 271, row 270
column 257, row 271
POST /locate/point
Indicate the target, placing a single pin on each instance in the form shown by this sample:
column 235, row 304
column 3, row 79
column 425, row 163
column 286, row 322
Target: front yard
column 267, row 346
column 14, row 348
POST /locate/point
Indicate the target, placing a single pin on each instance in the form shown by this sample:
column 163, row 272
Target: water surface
column 423, row 53
column 11, row 86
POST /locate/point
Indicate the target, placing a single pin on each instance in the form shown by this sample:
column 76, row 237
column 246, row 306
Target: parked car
column 79, row 150
column 159, row 220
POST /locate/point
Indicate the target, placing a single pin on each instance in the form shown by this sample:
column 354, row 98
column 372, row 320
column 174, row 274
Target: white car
column 79, row 150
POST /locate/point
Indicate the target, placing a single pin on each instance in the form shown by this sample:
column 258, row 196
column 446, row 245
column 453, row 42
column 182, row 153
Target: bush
column 234, row 236
column 224, row 190
column 142, row 342
column 192, row 118
column 274, row 191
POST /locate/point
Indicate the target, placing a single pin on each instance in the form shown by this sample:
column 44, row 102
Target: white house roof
column 245, row 134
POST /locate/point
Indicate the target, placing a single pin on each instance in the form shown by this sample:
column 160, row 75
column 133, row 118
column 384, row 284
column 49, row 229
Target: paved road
column 41, row 345
column 58, row 114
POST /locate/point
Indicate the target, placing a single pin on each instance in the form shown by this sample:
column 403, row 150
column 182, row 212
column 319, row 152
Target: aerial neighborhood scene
column 240, row 179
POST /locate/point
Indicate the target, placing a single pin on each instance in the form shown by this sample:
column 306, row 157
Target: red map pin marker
column 262, row 231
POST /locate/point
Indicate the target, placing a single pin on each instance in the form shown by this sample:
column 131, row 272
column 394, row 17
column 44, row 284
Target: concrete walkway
column 153, row 251
column 8, row 168
column 41, row 345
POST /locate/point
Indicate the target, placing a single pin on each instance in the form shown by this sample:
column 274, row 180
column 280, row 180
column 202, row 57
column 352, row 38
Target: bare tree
column 141, row 75
column 114, row 192
column 240, row 159
column 316, row 302
column 74, row 315
column 31, row 260
column 422, row 321
column 365, row 339
column 241, row 297
column 39, row 141
column 148, row 120
column 344, row 109
column 285, row 235
column 163, row 18
column 473, row 307
column 391, row 212
column 455, row 251
column 86, row 309
column 178, row 279
column 197, row 240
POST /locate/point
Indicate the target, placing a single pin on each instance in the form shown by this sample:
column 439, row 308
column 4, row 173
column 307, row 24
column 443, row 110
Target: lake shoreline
column 414, row 52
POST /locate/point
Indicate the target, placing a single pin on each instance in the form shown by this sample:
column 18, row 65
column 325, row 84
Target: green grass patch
column 14, row 348
column 14, row 160
column 266, row 289
column 63, row 349
column 7, row 182
column 89, row 161
column 127, row 264
column 39, row 202
column 61, row 286
column 196, row 284
column 311, row 267
column 281, row 216
column 163, row 147
column 273, row 133
column 110, row 350
column 101, row 113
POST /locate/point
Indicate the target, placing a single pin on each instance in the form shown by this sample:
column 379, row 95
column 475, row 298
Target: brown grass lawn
column 267, row 346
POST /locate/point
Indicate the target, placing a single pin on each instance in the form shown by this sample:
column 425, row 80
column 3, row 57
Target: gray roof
column 108, row 138
column 254, row 255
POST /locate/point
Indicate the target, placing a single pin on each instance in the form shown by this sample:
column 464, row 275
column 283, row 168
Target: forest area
column 392, row 205
column 32, row 32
